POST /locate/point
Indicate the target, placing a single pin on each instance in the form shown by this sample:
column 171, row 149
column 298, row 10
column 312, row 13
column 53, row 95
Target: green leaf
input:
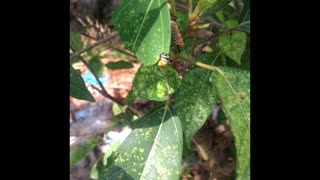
column 221, row 117
column 233, row 45
column 114, row 146
column 78, row 88
column 119, row 65
column 144, row 27
column 117, row 109
column 233, row 88
column 75, row 60
column 231, row 23
column 244, row 26
column 75, row 41
column 218, row 6
column 94, row 172
column 153, row 150
column 97, row 65
column 245, row 59
column 98, row 168
column 202, row 6
column 195, row 100
column 82, row 151
column 182, row 20
column 220, row 16
column 245, row 11
column 152, row 83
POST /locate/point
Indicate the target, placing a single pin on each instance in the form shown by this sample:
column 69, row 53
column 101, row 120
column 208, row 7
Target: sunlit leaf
column 78, row 88
column 233, row 88
column 144, row 27
column 152, row 151
column 154, row 83
column 195, row 100
column 117, row 109
column 94, row 172
column 111, row 149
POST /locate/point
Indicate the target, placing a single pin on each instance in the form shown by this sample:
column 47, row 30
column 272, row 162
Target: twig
column 88, row 36
column 213, row 38
column 104, row 92
column 213, row 68
column 132, row 109
column 123, row 51
column 107, row 95
column 78, row 53
column 182, row 7
column 190, row 9
column 173, row 7
column 216, row 23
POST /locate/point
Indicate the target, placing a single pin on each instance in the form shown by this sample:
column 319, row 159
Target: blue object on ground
column 90, row 79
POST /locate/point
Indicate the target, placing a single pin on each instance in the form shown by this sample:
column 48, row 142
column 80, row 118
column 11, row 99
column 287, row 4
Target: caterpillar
column 176, row 38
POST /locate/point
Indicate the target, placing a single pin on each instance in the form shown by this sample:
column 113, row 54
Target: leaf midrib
column 155, row 140
column 141, row 25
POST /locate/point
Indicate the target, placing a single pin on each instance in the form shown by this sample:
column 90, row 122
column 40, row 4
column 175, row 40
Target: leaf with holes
column 152, row 151
column 233, row 88
column 154, row 83
column 233, row 45
column 119, row 65
column 82, row 151
column 195, row 100
column 144, row 27
column 78, row 88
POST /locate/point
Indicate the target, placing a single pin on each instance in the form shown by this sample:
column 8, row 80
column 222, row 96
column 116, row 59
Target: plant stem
column 206, row 66
column 107, row 95
column 78, row 53
column 173, row 7
column 103, row 91
column 182, row 7
column 123, row 51
column 190, row 9
column 202, row 26
column 216, row 23
column 213, row 38
column 88, row 36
